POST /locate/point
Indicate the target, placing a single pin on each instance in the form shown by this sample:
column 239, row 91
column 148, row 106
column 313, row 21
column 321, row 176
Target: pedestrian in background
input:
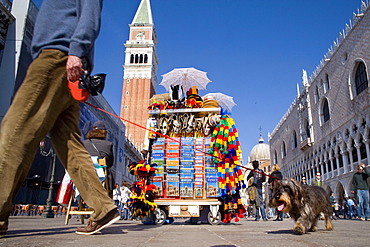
column 117, row 198
column 317, row 181
column 97, row 145
column 259, row 178
column 345, row 208
column 351, row 205
column 361, row 188
column 63, row 40
column 332, row 202
column 125, row 195
column 337, row 209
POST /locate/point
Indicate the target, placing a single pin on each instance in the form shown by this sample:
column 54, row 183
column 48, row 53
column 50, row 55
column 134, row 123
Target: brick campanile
column 139, row 76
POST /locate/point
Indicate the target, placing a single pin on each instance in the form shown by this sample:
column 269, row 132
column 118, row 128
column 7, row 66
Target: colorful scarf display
column 225, row 147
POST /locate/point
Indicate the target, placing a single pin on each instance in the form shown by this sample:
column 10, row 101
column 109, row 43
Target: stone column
column 330, row 161
column 345, row 160
column 336, row 157
column 357, row 146
column 350, row 158
column 366, row 142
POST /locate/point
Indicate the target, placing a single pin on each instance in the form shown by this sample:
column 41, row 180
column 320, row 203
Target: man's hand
column 74, row 68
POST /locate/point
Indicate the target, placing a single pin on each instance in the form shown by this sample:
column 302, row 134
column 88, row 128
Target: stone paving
column 36, row 231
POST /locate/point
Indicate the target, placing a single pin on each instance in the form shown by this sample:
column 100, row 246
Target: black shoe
column 277, row 219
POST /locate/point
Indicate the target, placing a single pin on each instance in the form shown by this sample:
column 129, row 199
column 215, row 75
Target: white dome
column 261, row 151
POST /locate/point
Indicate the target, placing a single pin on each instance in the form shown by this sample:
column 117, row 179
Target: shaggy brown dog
column 304, row 204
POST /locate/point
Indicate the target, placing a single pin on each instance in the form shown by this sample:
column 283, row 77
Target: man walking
column 259, row 178
column 317, row 181
column 361, row 188
column 63, row 40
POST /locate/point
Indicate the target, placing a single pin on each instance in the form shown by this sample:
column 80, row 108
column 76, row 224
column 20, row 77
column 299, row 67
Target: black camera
column 94, row 84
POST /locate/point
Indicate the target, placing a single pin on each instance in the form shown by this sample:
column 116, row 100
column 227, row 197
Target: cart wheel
column 214, row 220
column 160, row 216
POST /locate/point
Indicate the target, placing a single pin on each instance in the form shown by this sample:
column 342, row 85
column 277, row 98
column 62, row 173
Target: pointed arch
column 283, row 150
column 324, row 111
column 354, row 151
column 362, row 148
column 326, row 83
column 340, row 157
column 141, row 58
column 361, row 79
column 293, row 140
column 317, row 94
column 306, row 126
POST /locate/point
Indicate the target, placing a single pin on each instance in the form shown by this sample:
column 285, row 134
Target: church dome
column 261, row 151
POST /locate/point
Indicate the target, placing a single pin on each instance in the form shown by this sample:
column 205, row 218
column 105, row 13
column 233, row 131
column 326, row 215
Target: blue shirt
column 71, row 26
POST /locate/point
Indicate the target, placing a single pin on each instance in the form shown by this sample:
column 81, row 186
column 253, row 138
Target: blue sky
column 252, row 50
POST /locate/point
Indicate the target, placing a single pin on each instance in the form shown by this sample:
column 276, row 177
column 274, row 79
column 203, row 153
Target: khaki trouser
column 43, row 104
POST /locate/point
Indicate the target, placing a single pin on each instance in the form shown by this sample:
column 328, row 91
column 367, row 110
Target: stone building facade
column 327, row 127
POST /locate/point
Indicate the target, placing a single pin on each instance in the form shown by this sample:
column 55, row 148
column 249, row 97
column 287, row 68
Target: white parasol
column 225, row 101
column 187, row 77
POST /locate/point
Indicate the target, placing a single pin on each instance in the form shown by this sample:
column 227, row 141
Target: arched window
column 325, row 112
column 329, row 166
column 326, row 83
column 307, row 128
column 362, row 149
column 340, row 157
column 283, row 149
column 317, row 95
column 354, row 152
column 361, row 81
column 141, row 58
column 294, row 141
column 275, row 157
column 132, row 58
column 146, row 58
column 324, row 168
column 136, row 58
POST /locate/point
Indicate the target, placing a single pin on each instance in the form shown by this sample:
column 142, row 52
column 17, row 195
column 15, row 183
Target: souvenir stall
column 192, row 143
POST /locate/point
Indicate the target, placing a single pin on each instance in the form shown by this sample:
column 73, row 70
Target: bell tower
column 139, row 75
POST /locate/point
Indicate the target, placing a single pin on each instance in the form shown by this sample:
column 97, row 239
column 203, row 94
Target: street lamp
column 48, row 212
